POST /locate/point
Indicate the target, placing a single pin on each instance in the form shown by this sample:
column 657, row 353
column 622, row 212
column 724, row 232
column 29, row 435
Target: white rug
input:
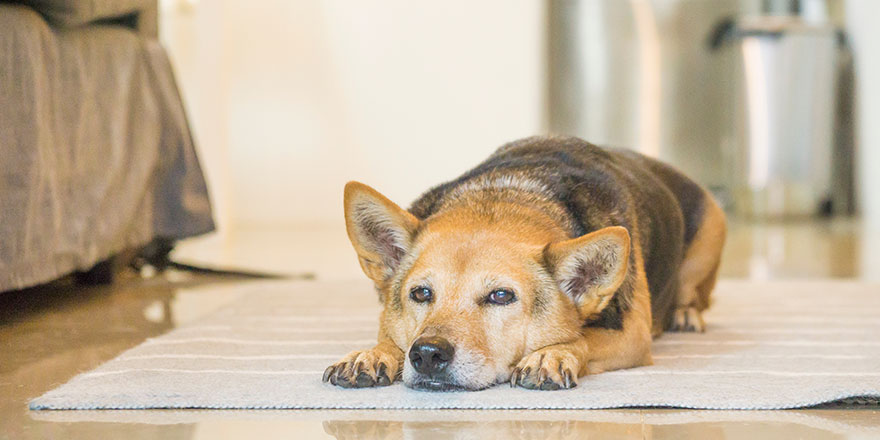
column 768, row 345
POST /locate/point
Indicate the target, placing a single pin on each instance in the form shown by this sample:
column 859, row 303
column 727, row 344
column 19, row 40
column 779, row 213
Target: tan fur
column 463, row 260
column 359, row 199
column 466, row 251
column 630, row 347
column 462, row 254
column 564, row 255
column 699, row 269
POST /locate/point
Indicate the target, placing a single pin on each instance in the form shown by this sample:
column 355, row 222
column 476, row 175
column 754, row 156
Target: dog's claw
column 328, row 372
column 567, row 377
column 544, row 383
column 363, row 369
column 382, row 378
column 383, row 381
column 546, row 369
column 364, row 380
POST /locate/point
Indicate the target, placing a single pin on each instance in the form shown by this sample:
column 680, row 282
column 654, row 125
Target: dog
column 551, row 260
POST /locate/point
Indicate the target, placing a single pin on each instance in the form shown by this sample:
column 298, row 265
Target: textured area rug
column 768, row 345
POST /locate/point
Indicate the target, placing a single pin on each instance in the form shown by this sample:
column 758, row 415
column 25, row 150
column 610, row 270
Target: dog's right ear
column 380, row 231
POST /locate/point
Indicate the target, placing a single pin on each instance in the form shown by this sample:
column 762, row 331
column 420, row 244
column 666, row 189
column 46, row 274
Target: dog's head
column 468, row 292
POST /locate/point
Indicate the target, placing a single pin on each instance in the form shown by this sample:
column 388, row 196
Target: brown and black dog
column 551, row 260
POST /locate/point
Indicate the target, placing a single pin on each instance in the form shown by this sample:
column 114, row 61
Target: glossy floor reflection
column 51, row 333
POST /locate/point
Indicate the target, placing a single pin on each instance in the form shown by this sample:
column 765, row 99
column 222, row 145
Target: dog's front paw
column 546, row 369
column 367, row 368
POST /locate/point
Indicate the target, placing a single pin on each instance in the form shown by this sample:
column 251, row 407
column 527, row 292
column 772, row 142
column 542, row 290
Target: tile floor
column 49, row 334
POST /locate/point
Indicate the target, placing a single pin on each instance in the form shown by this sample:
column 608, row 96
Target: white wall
column 294, row 98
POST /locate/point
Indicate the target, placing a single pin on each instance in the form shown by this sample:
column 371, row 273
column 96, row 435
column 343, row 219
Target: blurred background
column 222, row 132
column 766, row 102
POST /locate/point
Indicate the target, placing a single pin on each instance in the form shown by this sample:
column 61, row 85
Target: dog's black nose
column 430, row 355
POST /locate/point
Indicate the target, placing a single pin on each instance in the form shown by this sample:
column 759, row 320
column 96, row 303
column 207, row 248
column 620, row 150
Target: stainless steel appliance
column 788, row 107
column 689, row 82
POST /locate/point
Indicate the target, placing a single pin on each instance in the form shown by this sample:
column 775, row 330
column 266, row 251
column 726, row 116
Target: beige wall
column 291, row 99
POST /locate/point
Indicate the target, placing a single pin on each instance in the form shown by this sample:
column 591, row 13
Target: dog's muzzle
column 430, row 356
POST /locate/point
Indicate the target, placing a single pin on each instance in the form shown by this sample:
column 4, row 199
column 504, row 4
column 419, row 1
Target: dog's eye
column 421, row 294
column 501, row 297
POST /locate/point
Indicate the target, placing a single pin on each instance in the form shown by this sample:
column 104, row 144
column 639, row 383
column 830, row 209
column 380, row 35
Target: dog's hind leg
column 699, row 270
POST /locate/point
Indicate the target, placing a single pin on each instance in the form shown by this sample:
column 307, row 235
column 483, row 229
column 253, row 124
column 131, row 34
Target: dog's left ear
column 380, row 231
column 590, row 268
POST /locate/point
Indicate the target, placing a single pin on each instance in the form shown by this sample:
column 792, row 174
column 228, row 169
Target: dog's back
column 588, row 188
